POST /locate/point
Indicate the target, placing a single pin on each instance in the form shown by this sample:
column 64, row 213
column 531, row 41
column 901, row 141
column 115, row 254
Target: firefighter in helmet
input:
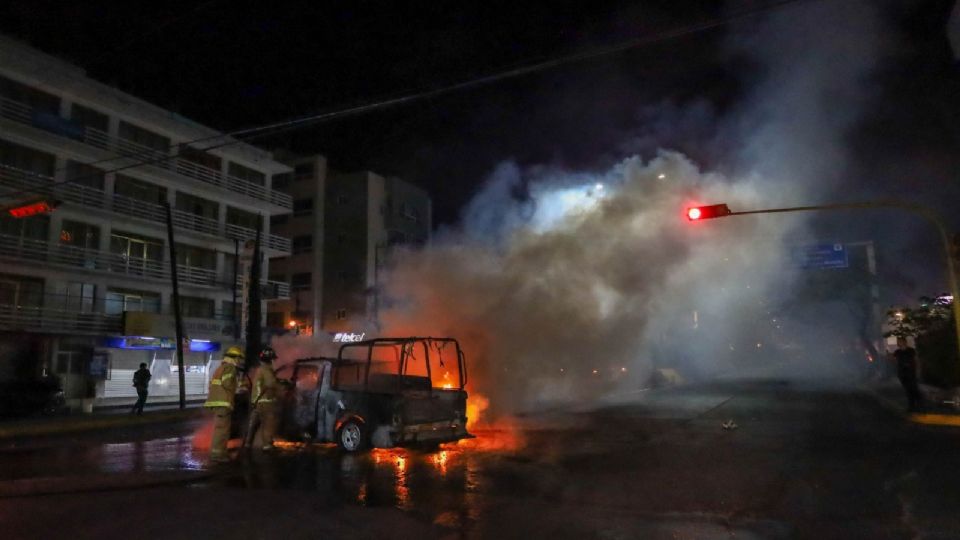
column 220, row 400
column 263, row 403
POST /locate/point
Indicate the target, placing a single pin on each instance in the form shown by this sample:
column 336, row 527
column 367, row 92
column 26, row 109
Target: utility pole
column 236, row 275
column 177, row 319
column 253, row 318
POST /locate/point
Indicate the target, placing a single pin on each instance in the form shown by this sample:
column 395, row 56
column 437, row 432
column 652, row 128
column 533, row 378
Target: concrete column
column 65, row 108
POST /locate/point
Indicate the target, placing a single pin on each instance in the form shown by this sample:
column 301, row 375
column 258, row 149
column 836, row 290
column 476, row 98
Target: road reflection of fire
column 396, row 459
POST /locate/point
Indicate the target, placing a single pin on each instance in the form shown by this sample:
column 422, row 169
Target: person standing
column 141, row 381
column 220, row 399
column 263, row 403
column 906, row 357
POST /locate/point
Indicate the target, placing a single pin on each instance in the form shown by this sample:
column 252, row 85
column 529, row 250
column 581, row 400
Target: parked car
column 381, row 392
column 22, row 398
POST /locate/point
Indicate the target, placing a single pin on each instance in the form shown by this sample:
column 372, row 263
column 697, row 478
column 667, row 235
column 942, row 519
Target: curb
column 927, row 419
column 92, row 423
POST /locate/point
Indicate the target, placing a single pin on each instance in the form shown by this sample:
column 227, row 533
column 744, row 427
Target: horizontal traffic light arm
column 926, row 212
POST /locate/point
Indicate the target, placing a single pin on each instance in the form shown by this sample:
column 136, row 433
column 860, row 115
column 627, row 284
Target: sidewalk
column 102, row 419
column 891, row 396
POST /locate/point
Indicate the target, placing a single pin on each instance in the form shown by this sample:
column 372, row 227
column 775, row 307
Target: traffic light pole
column 926, row 212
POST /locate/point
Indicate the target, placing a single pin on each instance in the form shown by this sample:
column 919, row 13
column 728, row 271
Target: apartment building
column 342, row 229
column 85, row 291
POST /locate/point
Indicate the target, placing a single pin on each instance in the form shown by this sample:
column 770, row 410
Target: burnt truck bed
column 339, row 399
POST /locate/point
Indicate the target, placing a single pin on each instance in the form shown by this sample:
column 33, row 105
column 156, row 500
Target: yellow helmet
column 234, row 352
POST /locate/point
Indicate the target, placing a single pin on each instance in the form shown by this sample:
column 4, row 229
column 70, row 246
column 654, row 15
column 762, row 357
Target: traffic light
column 696, row 213
column 32, row 208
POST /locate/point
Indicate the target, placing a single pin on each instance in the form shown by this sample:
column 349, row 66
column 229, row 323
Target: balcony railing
column 273, row 241
column 31, row 318
column 18, row 179
column 41, row 253
column 24, row 114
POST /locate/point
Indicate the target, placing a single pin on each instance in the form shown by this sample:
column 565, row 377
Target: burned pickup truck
column 381, row 392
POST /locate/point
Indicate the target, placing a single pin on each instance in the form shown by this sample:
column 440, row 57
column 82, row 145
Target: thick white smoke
column 590, row 280
column 565, row 285
column 579, row 298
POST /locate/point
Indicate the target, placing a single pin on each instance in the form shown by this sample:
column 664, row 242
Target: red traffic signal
column 32, row 208
column 695, row 213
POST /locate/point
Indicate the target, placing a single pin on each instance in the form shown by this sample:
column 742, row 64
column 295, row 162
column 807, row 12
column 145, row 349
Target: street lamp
column 722, row 210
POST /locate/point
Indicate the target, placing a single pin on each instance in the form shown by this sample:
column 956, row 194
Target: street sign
column 822, row 256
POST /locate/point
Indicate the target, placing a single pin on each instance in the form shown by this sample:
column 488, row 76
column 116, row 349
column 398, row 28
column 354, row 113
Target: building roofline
column 25, row 62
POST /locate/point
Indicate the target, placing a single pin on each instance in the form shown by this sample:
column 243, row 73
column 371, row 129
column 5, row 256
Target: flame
column 447, row 385
column 476, row 404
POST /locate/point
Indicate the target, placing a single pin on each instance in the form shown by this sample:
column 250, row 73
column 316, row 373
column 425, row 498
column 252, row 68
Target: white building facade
column 85, row 291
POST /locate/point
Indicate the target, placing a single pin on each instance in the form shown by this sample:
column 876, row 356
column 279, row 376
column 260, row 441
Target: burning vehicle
column 381, row 392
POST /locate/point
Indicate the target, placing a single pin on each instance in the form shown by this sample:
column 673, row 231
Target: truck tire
column 352, row 436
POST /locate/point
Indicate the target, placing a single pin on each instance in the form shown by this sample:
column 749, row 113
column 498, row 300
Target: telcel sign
column 348, row 337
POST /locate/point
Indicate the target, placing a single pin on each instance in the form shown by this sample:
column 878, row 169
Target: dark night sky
column 233, row 64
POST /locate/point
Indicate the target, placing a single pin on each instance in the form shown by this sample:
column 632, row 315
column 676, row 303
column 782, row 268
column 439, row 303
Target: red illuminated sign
column 31, row 209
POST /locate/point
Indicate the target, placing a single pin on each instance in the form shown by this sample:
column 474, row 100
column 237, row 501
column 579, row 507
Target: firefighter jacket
column 265, row 385
column 223, row 385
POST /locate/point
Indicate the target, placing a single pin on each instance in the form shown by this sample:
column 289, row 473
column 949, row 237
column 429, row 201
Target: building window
column 27, row 159
column 301, row 281
column 245, row 173
column 409, row 213
column 140, row 190
column 228, row 310
column 302, row 207
column 192, row 306
column 79, row 297
column 197, row 206
column 19, row 292
column 31, row 228
column 196, row 257
column 302, row 244
column 200, row 157
column 89, row 118
column 84, row 175
column 144, row 137
column 80, row 235
column 341, row 314
column 120, row 300
column 242, row 218
column 33, row 98
column 278, row 219
column 281, row 181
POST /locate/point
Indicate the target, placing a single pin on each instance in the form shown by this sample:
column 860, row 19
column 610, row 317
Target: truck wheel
column 352, row 436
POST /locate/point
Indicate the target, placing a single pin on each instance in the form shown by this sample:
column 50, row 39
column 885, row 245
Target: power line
column 274, row 128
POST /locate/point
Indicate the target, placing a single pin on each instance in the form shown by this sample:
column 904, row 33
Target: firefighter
column 220, row 399
column 263, row 403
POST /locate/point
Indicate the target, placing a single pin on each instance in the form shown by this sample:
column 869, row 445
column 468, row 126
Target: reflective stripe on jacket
column 265, row 385
column 223, row 385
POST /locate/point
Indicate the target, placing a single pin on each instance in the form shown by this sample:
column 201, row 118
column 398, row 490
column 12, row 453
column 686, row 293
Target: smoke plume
column 564, row 285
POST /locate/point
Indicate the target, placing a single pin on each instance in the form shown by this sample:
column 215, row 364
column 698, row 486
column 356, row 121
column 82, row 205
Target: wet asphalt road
column 803, row 462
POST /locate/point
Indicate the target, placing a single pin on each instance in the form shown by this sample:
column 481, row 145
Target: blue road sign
column 822, row 256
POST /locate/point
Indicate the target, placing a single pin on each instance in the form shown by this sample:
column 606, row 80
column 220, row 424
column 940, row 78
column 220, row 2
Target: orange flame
column 476, row 404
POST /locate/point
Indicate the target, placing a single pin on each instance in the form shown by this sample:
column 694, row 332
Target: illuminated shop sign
column 348, row 337
column 147, row 343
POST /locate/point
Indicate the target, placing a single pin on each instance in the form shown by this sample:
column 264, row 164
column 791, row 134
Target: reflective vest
column 223, row 385
column 265, row 385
